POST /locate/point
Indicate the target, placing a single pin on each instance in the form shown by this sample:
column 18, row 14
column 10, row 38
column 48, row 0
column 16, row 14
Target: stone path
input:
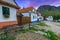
column 30, row 36
column 54, row 26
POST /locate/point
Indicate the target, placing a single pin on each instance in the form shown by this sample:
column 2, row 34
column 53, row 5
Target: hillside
column 48, row 10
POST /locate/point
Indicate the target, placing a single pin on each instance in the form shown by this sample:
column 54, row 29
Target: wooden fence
column 26, row 20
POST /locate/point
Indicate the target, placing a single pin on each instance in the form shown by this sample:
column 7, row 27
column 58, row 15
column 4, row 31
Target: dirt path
column 30, row 36
column 54, row 26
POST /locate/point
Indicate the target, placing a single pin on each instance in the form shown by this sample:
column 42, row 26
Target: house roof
column 38, row 13
column 25, row 10
column 8, row 4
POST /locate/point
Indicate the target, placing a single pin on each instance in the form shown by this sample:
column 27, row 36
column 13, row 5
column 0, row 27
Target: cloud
column 56, row 3
column 37, row 3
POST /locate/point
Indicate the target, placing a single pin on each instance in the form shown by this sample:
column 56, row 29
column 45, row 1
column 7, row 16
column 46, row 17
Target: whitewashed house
column 40, row 17
column 49, row 18
column 7, row 12
column 34, row 16
column 29, row 12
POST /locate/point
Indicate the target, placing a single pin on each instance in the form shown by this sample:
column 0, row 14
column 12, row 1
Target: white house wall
column 33, row 19
column 26, row 14
column 12, row 15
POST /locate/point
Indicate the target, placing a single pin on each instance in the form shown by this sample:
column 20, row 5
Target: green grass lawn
column 41, row 24
column 7, row 38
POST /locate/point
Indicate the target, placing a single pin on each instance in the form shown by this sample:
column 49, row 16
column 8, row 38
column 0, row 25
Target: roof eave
column 8, row 4
column 25, row 10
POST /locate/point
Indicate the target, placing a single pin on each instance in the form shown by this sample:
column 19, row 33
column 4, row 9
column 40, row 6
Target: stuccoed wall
column 12, row 15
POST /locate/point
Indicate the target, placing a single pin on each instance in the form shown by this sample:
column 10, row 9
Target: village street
column 54, row 26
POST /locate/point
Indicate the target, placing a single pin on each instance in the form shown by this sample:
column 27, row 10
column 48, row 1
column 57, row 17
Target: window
column 6, row 12
column 34, row 17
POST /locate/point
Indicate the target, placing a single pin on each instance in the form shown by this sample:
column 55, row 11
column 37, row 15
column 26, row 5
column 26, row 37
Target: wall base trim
column 2, row 24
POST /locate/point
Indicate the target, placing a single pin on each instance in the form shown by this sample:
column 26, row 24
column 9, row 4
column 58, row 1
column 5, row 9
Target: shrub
column 7, row 38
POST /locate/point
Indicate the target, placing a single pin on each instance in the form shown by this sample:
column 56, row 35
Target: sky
column 36, row 3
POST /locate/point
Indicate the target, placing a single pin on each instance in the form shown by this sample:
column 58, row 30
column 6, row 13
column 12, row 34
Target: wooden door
column 19, row 19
